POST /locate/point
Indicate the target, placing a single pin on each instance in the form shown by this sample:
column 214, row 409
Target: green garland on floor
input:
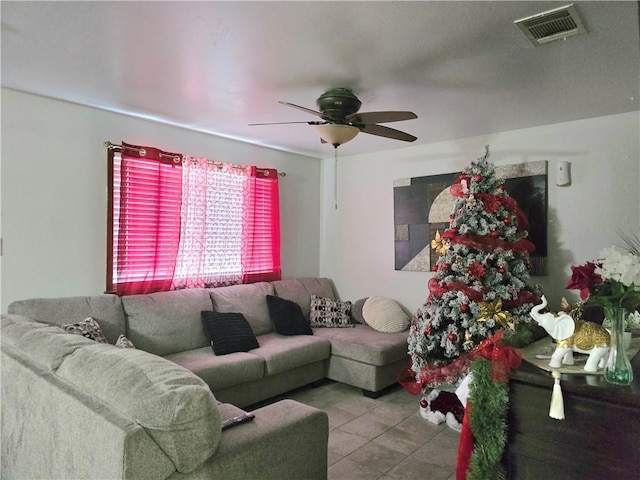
column 488, row 421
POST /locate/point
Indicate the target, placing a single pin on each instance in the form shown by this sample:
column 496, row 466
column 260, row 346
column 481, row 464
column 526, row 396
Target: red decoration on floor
column 465, row 446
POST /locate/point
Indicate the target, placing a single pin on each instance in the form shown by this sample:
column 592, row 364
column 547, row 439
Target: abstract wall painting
column 422, row 206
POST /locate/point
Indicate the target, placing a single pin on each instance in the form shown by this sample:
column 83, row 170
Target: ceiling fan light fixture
column 337, row 134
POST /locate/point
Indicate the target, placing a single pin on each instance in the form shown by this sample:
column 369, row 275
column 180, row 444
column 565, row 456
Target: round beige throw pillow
column 384, row 315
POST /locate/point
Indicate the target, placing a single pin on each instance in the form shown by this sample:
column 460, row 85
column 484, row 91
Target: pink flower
column 584, row 278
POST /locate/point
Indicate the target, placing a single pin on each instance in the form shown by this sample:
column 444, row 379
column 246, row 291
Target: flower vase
column 618, row 370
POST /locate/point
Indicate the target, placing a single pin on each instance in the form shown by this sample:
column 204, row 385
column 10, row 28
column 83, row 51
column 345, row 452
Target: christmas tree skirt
column 539, row 354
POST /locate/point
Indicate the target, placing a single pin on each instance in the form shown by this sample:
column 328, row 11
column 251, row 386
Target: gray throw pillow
column 356, row 310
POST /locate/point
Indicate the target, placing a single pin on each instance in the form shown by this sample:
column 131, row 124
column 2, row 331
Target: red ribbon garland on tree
column 503, row 359
column 491, row 202
column 488, row 244
column 438, row 289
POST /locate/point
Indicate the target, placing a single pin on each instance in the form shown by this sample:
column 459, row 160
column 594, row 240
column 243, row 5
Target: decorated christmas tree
column 478, row 303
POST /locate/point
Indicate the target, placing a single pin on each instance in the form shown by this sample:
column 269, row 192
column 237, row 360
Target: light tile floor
column 381, row 439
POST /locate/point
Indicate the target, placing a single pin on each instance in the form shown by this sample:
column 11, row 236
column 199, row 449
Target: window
column 181, row 222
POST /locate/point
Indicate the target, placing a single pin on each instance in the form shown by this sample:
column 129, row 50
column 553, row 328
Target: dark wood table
column 598, row 439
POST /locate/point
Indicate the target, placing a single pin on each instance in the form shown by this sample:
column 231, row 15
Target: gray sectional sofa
column 72, row 408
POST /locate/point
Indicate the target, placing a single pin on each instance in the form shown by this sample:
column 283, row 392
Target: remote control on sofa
column 232, row 422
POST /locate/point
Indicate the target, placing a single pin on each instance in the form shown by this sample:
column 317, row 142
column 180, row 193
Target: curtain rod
column 176, row 158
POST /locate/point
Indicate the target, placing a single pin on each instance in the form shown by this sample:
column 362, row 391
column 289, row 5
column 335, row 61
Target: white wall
column 54, row 197
column 357, row 249
column 54, row 193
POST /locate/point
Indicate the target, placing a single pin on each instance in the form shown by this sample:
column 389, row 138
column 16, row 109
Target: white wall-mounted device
column 563, row 175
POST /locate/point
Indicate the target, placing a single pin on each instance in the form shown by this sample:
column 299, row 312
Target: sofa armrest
column 286, row 440
column 50, row 429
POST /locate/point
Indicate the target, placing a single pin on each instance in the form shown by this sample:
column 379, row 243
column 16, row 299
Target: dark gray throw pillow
column 228, row 332
column 287, row 317
column 356, row 311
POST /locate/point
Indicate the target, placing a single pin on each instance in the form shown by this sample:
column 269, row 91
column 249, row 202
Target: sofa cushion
column 175, row 407
column 105, row 309
column 222, row 371
column 45, row 344
column 299, row 290
column 167, row 322
column 88, row 328
column 246, row 299
column 329, row 313
column 384, row 315
column 228, row 332
column 281, row 354
column 366, row 345
column 287, row 317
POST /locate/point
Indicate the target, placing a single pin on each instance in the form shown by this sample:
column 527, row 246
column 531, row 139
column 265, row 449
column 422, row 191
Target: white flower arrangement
column 619, row 267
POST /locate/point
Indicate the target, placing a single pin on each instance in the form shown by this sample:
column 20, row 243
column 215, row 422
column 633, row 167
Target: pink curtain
column 148, row 232
column 261, row 227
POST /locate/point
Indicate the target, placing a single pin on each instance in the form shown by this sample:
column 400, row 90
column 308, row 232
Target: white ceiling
column 462, row 67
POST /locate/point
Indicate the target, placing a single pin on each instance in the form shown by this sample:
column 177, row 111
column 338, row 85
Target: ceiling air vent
column 555, row 24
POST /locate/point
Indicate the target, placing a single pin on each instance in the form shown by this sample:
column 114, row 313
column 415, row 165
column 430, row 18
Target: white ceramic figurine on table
column 573, row 336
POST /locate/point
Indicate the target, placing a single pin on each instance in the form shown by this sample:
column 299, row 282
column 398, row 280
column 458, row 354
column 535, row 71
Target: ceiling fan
column 341, row 122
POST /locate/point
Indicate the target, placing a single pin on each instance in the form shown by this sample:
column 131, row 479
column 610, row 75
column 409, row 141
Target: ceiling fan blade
column 304, row 109
column 380, row 117
column 381, row 131
column 285, row 123
column 313, row 112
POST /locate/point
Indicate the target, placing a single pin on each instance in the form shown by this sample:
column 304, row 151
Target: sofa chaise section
column 365, row 358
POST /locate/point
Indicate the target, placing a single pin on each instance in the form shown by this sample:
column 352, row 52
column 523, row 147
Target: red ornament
column 424, row 403
column 477, row 178
column 427, row 330
column 464, row 308
column 446, row 266
column 452, row 337
column 507, row 221
column 434, row 268
column 501, row 269
column 501, row 186
column 494, row 233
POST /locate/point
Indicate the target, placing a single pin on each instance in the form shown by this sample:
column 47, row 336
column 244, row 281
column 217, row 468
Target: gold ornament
column 468, row 343
column 439, row 244
column 494, row 311
column 471, row 201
